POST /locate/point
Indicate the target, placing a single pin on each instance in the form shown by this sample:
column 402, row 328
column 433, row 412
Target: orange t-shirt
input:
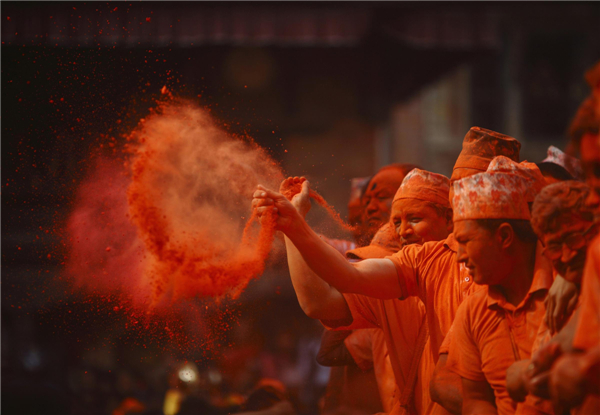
column 431, row 273
column 368, row 349
column 405, row 333
column 490, row 334
column 587, row 334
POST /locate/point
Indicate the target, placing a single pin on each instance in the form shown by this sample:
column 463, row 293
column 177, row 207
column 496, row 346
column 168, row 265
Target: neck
column 520, row 276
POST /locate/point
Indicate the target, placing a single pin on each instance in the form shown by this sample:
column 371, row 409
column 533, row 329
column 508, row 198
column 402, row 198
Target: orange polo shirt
column 490, row 334
column 369, row 350
column 405, row 333
column 587, row 334
column 431, row 273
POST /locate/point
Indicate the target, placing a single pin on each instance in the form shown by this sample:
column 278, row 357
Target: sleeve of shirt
column 445, row 347
column 407, row 262
column 464, row 357
column 365, row 314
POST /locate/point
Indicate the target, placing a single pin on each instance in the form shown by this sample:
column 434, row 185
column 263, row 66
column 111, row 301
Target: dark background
column 309, row 77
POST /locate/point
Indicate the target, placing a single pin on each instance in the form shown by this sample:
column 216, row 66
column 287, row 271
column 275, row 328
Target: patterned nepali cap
column 480, row 146
column 529, row 171
column 424, row 185
column 384, row 243
column 491, row 195
column 571, row 164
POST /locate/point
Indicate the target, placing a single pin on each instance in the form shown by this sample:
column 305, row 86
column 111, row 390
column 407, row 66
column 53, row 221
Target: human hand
column 560, row 303
column 537, row 373
column 567, row 382
column 297, row 190
column 516, row 380
column 266, row 201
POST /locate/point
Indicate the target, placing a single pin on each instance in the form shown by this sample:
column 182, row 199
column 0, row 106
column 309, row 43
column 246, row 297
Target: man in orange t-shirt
column 497, row 326
column 429, row 272
column 575, row 377
column 420, row 212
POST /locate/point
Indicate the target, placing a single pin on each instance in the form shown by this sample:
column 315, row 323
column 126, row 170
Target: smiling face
column 567, row 260
column 481, row 252
column 377, row 200
column 417, row 222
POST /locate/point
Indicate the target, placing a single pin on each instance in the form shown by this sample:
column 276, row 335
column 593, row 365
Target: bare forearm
column 374, row 278
column 478, row 398
column 316, row 297
column 446, row 387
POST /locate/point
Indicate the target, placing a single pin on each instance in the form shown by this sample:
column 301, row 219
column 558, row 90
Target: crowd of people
column 477, row 294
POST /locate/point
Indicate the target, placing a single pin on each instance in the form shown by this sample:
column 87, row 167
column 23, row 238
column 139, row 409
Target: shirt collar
column 451, row 243
column 543, row 277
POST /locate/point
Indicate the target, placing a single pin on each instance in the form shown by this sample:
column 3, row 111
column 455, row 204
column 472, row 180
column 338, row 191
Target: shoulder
column 427, row 250
column 474, row 305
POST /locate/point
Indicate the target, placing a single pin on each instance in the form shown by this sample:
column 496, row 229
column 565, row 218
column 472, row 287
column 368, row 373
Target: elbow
column 312, row 310
column 435, row 390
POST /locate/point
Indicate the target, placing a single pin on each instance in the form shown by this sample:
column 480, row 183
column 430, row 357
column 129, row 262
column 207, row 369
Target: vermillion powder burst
column 175, row 222
column 190, row 180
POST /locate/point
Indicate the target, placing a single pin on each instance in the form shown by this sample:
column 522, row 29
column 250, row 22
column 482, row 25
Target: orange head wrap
column 480, row 146
column 424, row 185
column 384, row 243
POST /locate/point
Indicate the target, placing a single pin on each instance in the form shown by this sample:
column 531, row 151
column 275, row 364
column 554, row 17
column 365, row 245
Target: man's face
column 480, row 251
column 416, row 222
column 377, row 200
column 567, row 247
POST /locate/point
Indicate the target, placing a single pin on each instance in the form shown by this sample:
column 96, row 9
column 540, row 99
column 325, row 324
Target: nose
column 593, row 199
column 372, row 206
column 567, row 254
column 406, row 230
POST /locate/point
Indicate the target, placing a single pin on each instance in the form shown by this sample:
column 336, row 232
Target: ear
column 505, row 235
column 449, row 220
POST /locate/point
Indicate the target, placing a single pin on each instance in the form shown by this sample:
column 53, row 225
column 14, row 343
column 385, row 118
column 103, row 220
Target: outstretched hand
column 297, row 190
column 265, row 200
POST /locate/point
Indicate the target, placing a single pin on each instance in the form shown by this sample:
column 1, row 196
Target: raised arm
column 373, row 277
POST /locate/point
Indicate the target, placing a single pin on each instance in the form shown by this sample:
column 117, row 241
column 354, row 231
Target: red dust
column 190, row 190
column 173, row 224
column 292, row 189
